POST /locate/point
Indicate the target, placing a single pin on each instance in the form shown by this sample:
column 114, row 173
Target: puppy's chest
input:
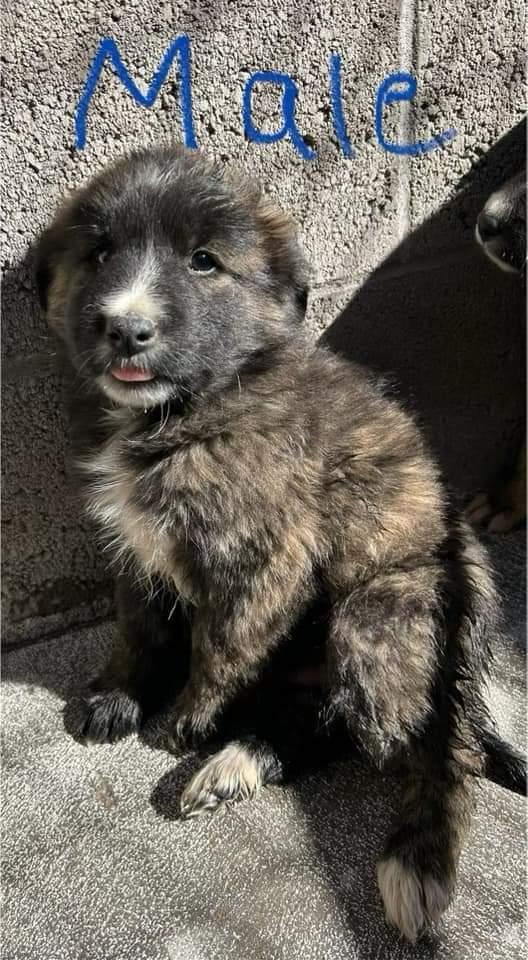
column 114, row 500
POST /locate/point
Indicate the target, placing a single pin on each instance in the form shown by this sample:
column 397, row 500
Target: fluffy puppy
column 501, row 232
column 270, row 511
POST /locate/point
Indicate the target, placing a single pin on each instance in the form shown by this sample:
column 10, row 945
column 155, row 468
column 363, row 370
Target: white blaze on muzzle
column 140, row 297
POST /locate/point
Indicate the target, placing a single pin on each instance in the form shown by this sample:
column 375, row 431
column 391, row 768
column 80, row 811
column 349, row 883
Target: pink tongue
column 131, row 374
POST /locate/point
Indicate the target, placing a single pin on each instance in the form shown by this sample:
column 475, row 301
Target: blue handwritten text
column 396, row 87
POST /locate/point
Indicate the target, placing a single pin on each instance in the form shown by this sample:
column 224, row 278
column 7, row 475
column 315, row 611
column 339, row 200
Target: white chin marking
column 412, row 900
column 141, row 395
column 507, row 267
column 493, row 256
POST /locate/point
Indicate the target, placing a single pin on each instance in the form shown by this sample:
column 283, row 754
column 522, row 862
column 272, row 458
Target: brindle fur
column 269, row 510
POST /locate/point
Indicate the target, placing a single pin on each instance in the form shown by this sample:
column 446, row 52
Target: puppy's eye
column 100, row 253
column 203, row 262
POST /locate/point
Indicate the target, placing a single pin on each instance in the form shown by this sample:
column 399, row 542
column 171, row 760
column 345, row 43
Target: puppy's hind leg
column 383, row 662
column 237, row 772
column 417, row 872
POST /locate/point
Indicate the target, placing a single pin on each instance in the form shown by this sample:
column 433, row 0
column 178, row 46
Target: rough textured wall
column 433, row 313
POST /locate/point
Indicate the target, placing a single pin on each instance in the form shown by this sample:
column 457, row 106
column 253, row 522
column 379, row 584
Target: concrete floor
column 98, row 866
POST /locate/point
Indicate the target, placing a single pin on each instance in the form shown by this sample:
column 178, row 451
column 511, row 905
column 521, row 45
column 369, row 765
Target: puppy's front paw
column 412, row 896
column 230, row 775
column 189, row 725
column 103, row 717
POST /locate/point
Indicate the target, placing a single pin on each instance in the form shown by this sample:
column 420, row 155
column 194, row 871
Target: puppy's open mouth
column 133, row 386
column 131, row 374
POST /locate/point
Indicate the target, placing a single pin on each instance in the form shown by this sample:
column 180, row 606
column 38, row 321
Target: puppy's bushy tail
column 504, row 765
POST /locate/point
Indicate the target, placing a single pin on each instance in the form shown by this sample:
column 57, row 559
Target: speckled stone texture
column 96, row 864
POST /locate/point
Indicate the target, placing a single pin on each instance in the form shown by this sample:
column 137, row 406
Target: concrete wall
column 396, row 274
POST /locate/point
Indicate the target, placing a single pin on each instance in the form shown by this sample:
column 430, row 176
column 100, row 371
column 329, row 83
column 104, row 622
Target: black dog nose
column 488, row 226
column 130, row 335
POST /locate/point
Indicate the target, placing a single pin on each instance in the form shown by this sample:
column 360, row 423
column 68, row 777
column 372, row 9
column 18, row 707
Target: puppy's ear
column 284, row 254
column 45, row 262
column 52, row 276
column 50, row 249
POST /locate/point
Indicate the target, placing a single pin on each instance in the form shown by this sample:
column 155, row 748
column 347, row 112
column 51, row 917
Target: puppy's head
column 501, row 225
column 165, row 277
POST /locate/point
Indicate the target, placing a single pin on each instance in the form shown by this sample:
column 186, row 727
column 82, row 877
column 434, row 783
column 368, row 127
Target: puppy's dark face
column 164, row 278
column 501, row 225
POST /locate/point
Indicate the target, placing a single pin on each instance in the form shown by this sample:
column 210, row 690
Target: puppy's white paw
column 412, row 899
column 232, row 774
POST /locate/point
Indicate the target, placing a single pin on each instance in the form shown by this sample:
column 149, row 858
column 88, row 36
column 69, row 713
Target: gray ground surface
column 97, row 865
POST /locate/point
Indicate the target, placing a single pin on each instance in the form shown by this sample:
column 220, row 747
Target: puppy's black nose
column 130, row 335
column 488, row 226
